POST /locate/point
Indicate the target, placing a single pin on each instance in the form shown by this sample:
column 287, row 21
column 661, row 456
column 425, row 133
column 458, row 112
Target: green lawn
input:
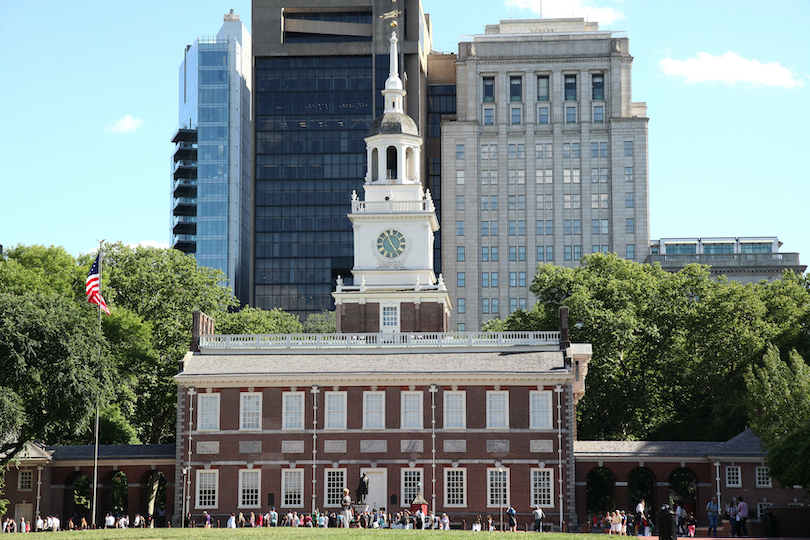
column 299, row 533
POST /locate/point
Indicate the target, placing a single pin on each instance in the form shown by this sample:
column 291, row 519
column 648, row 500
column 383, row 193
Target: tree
column 789, row 459
column 250, row 320
column 324, row 322
column 49, row 270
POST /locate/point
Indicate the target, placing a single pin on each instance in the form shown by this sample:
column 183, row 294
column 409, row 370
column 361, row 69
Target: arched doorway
column 119, row 494
column 391, row 163
column 375, row 164
column 641, row 486
column 600, row 491
column 77, row 498
column 683, row 488
column 153, row 497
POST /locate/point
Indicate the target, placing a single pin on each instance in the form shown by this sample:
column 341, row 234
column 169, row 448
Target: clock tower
column 395, row 288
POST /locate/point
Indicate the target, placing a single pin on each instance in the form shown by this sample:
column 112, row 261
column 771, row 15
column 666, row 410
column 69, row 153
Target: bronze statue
column 362, row 489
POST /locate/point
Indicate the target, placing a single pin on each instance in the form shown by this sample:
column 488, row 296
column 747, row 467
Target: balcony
column 185, row 188
column 727, row 259
column 185, row 169
column 187, row 243
column 185, row 152
column 185, row 207
column 185, row 135
column 382, row 207
column 185, row 225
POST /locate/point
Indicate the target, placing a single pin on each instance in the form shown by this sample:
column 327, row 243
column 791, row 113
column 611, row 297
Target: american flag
column 92, row 287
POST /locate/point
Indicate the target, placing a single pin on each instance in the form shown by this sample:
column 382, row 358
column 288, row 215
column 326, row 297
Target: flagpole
column 95, row 452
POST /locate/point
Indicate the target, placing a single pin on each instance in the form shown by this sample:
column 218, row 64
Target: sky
column 90, row 102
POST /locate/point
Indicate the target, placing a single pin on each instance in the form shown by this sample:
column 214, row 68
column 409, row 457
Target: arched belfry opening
column 409, row 164
column 375, row 165
column 391, row 162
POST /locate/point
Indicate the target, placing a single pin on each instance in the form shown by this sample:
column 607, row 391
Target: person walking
column 712, row 510
column 347, row 508
column 538, row 519
column 742, row 514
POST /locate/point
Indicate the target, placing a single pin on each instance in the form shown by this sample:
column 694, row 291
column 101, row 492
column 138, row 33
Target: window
column 489, row 117
column 460, row 253
column 512, row 253
column 25, row 480
column 513, row 279
column 594, row 176
column 595, row 249
column 515, row 116
column 455, row 408
column 510, row 151
column 568, row 253
column 594, row 149
column 605, row 249
column 567, row 222
column 498, row 487
column 549, row 202
column 604, row 228
column 459, row 228
column 570, row 115
column 334, row 410
column 567, row 150
column 515, row 89
column 493, row 202
column 292, row 488
column 493, row 153
column 207, row 488
column 485, row 254
column 461, row 327
column 484, row 203
column 293, row 410
column 494, row 279
column 570, row 87
column 594, row 226
column 495, row 305
column 549, row 226
column 628, row 200
column 390, row 318
column 460, row 279
column 489, row 88
column 543, row 151
column 763, row 477
column 603, row 149
column 542, row 115
column 455, row 487
column 521, row 178
column 577, row 253
column 411, row 480
column 494, row 253
column 484, row 177
column 462, row 305
column 628, row 148
column 208, row 415
column 598, row 114
column 603, row 175
column 459, row 177
column 485, row 228
column 542, row 487
column 512, row 224
column 577, row 226
column 521, row 279
column 497, row 409
column 598, row 86
column 595, row 201
column 630, row 252
column 484, row 151
column 542, row 176
column 485, row 305
column 335, row 481
column 549, row 253
column 521, row 151
column 251, row 413
column 603, row 200
column 459, row 151
column 512, row 201
column 373, row 411
column 460, row 202
column 628, row 174
column 412, row 410
column 249, row 483
column 542, row 88
column 540, row 253
column 540, row 409
column 521, row 223
column 522, row 303
column 493, row 229
column 733, row 478
column 629, row 226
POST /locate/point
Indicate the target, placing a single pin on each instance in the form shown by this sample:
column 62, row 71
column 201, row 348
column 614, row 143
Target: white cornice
column 389, row 379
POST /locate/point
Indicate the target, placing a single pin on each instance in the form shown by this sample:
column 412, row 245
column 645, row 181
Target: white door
column 389, row 320
column 377, row 488
column 25, row 510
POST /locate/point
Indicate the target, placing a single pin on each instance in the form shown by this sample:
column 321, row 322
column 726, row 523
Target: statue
column 362, row 489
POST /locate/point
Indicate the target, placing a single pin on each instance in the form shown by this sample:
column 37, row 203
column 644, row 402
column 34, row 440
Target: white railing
column 382, row 340
column 392, row 206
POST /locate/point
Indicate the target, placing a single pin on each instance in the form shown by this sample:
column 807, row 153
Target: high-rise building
column 319, row 69
column 211, row 186
column 546, row 161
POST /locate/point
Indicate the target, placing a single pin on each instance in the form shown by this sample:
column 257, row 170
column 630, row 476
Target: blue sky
column 90, row 102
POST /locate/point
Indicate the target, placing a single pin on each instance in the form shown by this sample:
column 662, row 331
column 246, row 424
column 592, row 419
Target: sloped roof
column 113, row 451
column 746, row 444
column 393, row 122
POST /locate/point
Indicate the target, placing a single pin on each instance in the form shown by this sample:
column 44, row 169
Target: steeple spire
column 394, row 92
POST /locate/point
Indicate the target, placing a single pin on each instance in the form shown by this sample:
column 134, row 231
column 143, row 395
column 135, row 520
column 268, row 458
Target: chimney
column 565, row 339
column 202, row 325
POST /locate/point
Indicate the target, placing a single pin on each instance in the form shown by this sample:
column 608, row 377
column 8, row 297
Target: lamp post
column 183, row 514
column 501, row 491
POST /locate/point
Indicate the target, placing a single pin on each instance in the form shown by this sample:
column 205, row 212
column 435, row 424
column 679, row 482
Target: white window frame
column 408, row 493
column 243, row 473
column 333, row 417
column 202, row 423
column 535, row 497
column 490, row 402
column 731, row 471
column 28, row 484
column 289, row 474
column 535, row 420
column 292, row 396
column 421, row 395
column 460, row 474
column 492, row 488
column 367, row 411
column 335, row 491
column 242, row 412
column 212, row 474
column 763, row 476
column 446, row 424
column 389, row 328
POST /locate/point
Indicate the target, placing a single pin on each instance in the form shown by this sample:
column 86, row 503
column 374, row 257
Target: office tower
column 319, row 69
column 546, row 162
column 212, row 162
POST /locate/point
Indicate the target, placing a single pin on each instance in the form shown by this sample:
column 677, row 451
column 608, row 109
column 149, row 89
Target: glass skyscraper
column 210, row 184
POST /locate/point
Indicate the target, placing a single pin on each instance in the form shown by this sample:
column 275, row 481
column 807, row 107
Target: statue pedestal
column 359, row 508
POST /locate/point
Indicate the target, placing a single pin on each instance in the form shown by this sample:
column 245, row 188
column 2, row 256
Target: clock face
column 391, row 243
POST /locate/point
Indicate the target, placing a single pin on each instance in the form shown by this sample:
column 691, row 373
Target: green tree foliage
column 669, row 350
column 789, row 459
column 324, row 322
column 250, row 320
column 47, row 270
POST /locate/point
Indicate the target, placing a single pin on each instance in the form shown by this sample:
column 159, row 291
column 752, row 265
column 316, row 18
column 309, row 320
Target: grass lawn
column 301, row 533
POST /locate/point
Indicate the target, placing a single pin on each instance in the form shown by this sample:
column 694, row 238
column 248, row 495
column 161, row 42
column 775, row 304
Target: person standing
column 742, row 514
column 538, row 519
column 640, row 515
column 512, row 518
column 712, row 510
column 232, row 521
column 731, row 515
column 347, row 508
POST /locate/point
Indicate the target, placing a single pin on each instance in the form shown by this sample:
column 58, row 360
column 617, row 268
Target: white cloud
column 558, row 9
column 730, row 68
column 150, row 243
column 126, row 124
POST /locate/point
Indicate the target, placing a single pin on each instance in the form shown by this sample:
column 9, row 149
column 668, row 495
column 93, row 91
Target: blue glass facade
column 441, row 100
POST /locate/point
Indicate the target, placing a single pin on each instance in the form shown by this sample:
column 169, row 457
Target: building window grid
column 251, row 417
column 373, row 410
column 455, row 407
column 334, row 410
column 292, row 488
column 249, row 485
column 460, row 253
column 497, row 409
column 334, row 481
column 485, row 305
column 459, row 151
column 293, row 410
column 763, row 477
column 208, row 412
column 733, row 476
column 455, row 487
column 411, row 481
column 412, row 410
column 462, row 305
column 207, row 489
column 542, row 487
column 540, row 409
column 497, row 487
column 25, row 480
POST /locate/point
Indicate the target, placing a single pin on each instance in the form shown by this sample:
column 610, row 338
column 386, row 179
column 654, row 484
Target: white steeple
column 394, row 92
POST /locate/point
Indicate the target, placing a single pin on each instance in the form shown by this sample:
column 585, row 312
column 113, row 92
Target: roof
column 392, row 369
column 113, row 451
column 746, row 444
column 393, row 122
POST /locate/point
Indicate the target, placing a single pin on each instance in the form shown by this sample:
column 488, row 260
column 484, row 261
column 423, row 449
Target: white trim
column 492, row 394
column 366, row 395
column 242, row 474
column 766, row 474
column 421, row 414
column 534, row 421
column 330, row 400
column 30, row 474
column 339, row 499
column 213, row 473
column 200, row 398
column 738, row 483
column 403, row 471
column 532, row 495
column 445, row 395
column 289, row 473
column 491, row 488
column 394, row 328
column 242, row 396
column 463, row 471
column 285, row 424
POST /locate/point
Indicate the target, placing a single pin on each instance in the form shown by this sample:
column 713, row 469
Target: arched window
column 409, row 164
column 600, row 490
column 391, row 163
column 375, row 168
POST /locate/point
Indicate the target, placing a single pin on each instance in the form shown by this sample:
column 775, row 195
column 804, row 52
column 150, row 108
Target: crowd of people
column 53, row 523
